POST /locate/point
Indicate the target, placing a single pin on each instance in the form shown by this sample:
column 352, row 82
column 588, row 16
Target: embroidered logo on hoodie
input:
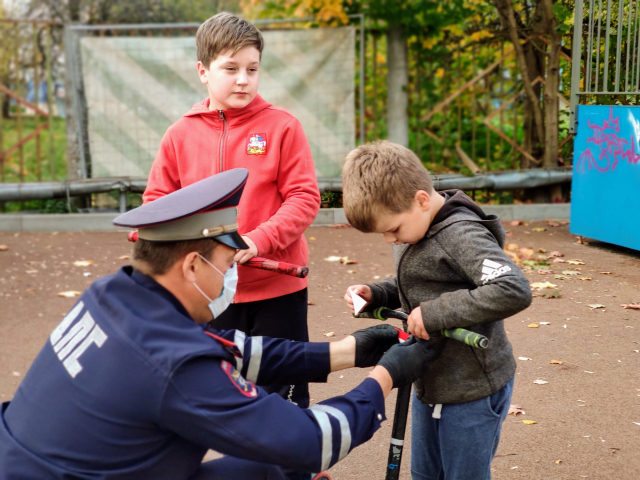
column 257, row 144
column 492, row 270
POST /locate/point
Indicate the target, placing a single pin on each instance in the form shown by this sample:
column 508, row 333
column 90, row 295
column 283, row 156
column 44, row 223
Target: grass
column 10, row 169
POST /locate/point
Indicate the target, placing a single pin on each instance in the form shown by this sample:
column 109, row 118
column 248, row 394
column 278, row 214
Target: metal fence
column 606, row 54
column 120, row 72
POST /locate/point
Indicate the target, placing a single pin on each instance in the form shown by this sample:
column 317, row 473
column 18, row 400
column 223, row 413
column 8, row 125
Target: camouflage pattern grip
column 472, row 339
column 279, row 267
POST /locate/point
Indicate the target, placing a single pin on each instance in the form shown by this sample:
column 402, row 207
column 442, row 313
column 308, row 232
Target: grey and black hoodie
column 460, row 276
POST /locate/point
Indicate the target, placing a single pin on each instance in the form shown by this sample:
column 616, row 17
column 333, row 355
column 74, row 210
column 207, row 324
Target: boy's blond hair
column 224, row 32
column 380, row 177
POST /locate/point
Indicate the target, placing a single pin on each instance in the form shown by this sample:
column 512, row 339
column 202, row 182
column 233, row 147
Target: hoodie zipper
column 224, row 135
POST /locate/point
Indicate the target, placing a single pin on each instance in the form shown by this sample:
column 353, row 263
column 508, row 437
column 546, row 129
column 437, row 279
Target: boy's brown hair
column 156, row 258
column 224, row 32
column 380, row 177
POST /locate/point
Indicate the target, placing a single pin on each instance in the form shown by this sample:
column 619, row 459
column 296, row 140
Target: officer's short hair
column 224, row 32
column 156, row 258
column 381, row 178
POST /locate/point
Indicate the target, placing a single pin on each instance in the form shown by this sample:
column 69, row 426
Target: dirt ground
column 587, row 415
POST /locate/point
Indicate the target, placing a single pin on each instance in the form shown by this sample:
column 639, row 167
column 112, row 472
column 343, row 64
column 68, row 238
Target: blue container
column 605, row 189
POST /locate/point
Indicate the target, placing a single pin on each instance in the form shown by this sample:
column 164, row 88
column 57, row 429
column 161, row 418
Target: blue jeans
column 461, row 444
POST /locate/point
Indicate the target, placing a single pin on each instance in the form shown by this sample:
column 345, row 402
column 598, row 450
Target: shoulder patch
column 257, row 144
column 247, row 388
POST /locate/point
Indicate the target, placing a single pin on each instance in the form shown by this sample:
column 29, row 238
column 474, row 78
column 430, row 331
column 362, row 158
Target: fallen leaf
column 524, row 358
column 351, row 271
column 529, row 422
column 630, row 306
column 515, row 410
column 554, row 294
column 545, row 323
column 540, row 382
column 31, row 271
column 512, row 246
column 605, row 273
column 347, row 261
column 544, row 271
column 559, row 260
column 585, row 278
column 312, row 238
column 553, row 224
column 82, row 263
column 123, row 257
column 526, row 251
column 570, row 272
column 515, row 223
column 3, row 248
column 333, row 258
column 310, row 302
column 558, row 462
column 559, row 277
column 539, row 229
column 542, row 250
column 556, row 254
column 595, row 305
column 575, row 262
column 533, row 325
column 556, row 362
column 69, row 294
column 330, row 334
column 578, row 268
column 543, row 285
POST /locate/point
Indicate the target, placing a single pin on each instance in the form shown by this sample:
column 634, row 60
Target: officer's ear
column 190, row 264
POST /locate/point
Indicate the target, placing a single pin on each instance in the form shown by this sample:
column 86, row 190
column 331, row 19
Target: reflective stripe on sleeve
column 327, row 442
column 345, row 429
column 239, row 338
column 254, row 361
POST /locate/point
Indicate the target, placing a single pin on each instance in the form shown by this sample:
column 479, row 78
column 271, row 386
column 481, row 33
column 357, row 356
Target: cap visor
column 233, row 240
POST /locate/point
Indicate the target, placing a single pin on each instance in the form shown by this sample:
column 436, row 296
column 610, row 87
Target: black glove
column 407, row 361
column 372, row 342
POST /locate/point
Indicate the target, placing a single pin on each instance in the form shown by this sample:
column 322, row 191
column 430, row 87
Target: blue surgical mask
column 230, row 283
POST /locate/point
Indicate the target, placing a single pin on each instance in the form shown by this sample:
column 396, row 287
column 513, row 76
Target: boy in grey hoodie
column 451, row 271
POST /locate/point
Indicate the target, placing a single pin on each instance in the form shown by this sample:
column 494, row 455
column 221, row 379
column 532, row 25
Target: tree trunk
column 397, row 81
column 507, row 17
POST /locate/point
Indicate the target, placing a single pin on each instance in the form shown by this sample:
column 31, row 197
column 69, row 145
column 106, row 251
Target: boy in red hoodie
column 235, row 127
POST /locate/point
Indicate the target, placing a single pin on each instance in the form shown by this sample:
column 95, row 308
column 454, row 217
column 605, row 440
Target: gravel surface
column 585, row 415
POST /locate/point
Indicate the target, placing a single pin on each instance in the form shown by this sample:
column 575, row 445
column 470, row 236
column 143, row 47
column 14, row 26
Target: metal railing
column 597, row 64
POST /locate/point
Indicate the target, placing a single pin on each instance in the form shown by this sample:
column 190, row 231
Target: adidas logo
column 491, row 270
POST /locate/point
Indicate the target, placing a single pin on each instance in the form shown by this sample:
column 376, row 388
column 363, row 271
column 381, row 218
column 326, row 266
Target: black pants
column 280, row 317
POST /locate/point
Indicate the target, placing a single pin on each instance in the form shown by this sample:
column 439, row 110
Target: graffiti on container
column 606, row 138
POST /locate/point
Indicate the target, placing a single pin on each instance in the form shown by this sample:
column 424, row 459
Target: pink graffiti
column 612, row 146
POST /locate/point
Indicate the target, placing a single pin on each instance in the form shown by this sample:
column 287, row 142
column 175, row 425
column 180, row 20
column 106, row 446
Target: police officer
column 133, row 385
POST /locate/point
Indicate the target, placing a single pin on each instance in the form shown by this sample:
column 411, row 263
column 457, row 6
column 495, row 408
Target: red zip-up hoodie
column 281, row 197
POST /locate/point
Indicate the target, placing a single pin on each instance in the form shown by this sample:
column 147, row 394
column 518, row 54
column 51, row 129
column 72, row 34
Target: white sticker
column 358, row 302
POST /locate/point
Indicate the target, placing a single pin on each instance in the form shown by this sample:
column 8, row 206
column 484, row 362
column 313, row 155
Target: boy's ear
column 202, row 72
column 423, row 200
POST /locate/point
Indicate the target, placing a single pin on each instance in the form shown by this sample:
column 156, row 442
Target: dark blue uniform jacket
column 130, row 387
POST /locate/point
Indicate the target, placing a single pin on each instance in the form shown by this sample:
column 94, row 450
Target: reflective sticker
column 256, row 358
column 248, row 389
column 327, row 442
column 239, row 338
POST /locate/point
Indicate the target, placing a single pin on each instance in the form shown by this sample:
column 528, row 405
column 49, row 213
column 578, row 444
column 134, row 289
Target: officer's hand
column 372, row 342
column 362, row 290
column 406, row 361
column 246, row 255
